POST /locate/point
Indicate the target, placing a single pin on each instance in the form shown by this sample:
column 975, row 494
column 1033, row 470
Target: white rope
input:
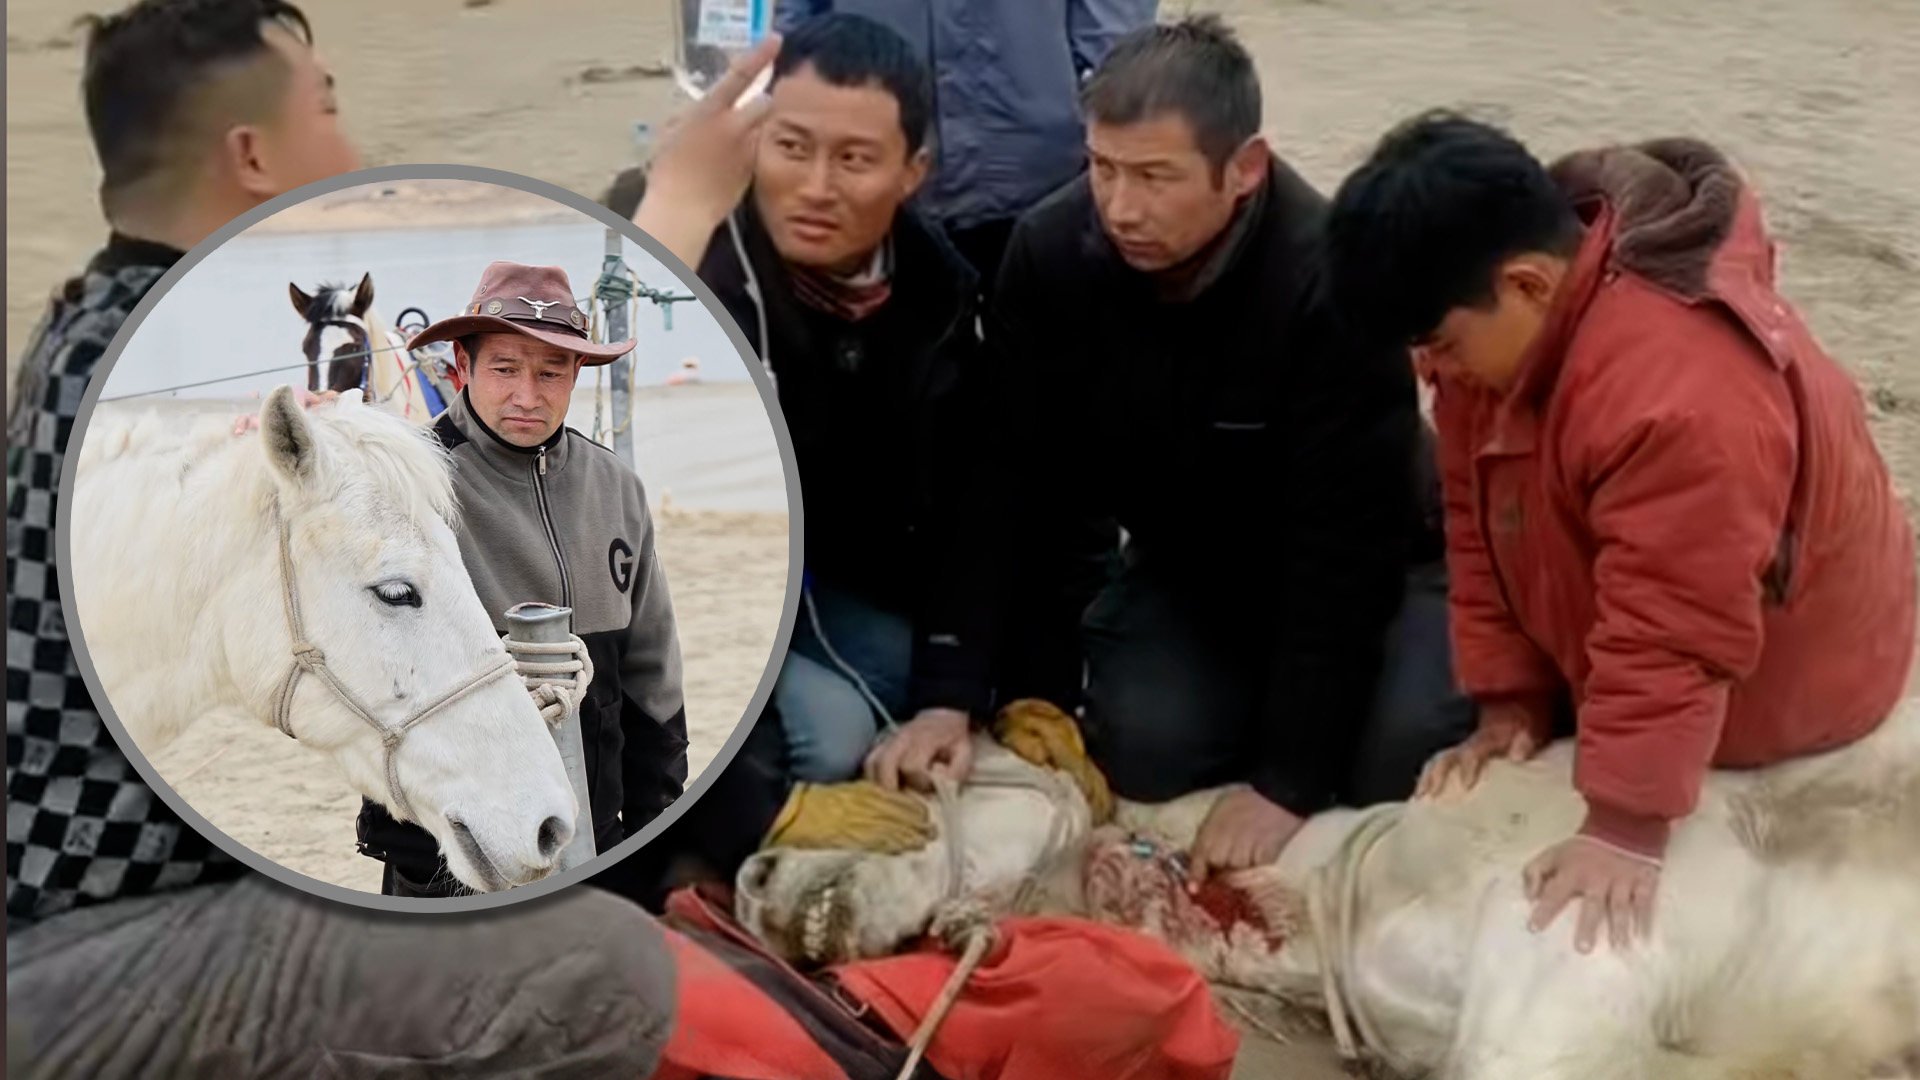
column 557, row 686
column 1333, row 898
column 820, row 634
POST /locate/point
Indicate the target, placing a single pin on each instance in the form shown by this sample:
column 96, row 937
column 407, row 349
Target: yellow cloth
column 855, row 816
column 1045, row 736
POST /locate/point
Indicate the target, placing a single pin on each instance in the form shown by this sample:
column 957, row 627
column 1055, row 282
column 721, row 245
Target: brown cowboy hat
column 536, row 301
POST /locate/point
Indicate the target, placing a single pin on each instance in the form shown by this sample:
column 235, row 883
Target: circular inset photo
column 430, row 537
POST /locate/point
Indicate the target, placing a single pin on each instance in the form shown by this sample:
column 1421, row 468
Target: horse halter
column 307, row 657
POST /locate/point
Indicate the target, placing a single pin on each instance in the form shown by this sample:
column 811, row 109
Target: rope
column 859, row 683
column 968, row 927
column 555, row 696
column 1333, row 897
column 308, row 658
column 250, row 374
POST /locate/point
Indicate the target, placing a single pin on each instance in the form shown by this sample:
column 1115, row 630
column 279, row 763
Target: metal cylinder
column 550, row 623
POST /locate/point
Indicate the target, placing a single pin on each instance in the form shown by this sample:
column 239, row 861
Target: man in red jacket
column 1663, row 502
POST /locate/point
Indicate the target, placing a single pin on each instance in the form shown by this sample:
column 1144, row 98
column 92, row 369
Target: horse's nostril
column 554, row 834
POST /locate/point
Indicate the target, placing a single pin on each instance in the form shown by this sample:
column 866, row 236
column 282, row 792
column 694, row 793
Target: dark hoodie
column 1678, row 511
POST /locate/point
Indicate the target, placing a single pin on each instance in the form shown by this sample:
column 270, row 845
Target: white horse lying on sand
column 1785, row 943
column 307, row 576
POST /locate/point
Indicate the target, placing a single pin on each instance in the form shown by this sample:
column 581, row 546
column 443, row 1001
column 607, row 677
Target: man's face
column 519, row 386
column 302, row 141
column 1488, row 343
column 833, row 169
column 1160, row 199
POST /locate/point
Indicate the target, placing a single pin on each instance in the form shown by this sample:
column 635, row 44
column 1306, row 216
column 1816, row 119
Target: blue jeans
column 829, row 724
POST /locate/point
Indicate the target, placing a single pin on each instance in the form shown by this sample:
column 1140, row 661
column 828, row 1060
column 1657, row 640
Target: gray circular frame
column 63, row 558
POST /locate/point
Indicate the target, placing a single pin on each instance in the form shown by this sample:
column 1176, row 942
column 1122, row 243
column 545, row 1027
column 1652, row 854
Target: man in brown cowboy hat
column 552, row 516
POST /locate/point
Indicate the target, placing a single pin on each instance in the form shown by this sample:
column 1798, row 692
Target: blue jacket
column 1006, row 80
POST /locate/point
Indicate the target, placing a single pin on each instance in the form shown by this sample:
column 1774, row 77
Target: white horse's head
column 366, row 500
column 1017, row 823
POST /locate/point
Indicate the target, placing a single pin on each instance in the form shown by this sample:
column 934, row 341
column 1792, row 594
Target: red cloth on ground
column 1058, row 999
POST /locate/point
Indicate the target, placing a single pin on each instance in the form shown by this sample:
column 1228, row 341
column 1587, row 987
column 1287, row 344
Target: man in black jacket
column 866, row 318
column 1174, row 373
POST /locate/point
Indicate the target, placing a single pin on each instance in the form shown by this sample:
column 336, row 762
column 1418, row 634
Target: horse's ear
column 288, row 437
column 302, row 303
column 363, row 296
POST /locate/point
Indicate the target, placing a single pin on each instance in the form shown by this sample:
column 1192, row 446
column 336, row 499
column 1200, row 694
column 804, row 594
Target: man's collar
column 123, row 251
column 1188, row 280
column 507, row 455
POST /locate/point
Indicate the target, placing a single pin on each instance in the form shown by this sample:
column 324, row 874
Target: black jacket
column 1257, row 456
column 888, row 418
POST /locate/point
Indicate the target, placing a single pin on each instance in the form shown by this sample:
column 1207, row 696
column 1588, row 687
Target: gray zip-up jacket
column 567, row 523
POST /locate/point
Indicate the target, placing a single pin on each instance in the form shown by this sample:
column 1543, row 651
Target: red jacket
column 1678, row 512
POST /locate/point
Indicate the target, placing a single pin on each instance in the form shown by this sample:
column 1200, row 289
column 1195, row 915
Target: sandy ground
column 1819, row 100
column 728, row 575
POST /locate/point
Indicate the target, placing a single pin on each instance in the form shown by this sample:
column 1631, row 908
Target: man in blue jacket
column 1006, row 115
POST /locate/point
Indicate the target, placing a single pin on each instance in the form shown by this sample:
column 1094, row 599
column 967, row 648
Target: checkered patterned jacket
column 82, row 827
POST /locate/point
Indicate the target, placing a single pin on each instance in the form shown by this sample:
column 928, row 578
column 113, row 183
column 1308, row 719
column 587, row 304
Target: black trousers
column 1175, row 693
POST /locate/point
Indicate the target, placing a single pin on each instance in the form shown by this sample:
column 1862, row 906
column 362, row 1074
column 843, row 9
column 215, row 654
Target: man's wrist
column 1642, row 835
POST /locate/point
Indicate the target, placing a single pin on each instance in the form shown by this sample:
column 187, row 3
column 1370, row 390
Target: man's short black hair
column 143, row 64
column 852, row 50
column 1422, row 227
column 1195, row 67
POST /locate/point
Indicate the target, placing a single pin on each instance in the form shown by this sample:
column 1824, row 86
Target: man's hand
column 1507, row 729
column 307, row 400
column 1243, row 829
column 937, row 739
column 1613, row 885
column 705, row 160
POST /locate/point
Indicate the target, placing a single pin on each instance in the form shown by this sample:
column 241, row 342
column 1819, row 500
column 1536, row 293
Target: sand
column 1819, row 100
column 728, row 575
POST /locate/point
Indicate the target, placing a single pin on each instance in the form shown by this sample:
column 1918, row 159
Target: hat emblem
column 574, row 318
column 493, row 307
column 539, row 306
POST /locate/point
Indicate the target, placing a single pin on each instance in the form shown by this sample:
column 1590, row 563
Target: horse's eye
column 397, row 593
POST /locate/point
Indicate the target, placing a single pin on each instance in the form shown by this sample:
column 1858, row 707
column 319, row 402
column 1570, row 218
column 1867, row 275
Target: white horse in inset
column 307, row 575
column 1785, row 943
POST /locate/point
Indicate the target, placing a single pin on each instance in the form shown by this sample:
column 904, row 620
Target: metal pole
column 616, row 312
column 546, row 623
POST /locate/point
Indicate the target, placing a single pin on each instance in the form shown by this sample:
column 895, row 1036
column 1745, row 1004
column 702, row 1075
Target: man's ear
column 243, row 153
column 1534, row 277
column 1248, row 166
column 919, row 163
column 462, row 363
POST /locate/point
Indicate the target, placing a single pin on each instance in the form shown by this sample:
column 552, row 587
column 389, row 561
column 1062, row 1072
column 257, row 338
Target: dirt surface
column 1818, row 99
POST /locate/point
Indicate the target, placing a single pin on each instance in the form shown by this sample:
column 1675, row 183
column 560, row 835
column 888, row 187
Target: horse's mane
column 405, row 463
column 333, row 299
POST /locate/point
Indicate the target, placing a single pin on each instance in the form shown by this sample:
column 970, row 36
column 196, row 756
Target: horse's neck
column 161, row 605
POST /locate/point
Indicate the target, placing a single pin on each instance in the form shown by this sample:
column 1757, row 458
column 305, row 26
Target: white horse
column 307, row 575
column 1785, row 944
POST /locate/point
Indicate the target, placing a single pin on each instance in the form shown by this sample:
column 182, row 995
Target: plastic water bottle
column 710, row 34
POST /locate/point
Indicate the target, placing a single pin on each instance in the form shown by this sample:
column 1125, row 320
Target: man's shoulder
column 1057, row 226
column 599, row 461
